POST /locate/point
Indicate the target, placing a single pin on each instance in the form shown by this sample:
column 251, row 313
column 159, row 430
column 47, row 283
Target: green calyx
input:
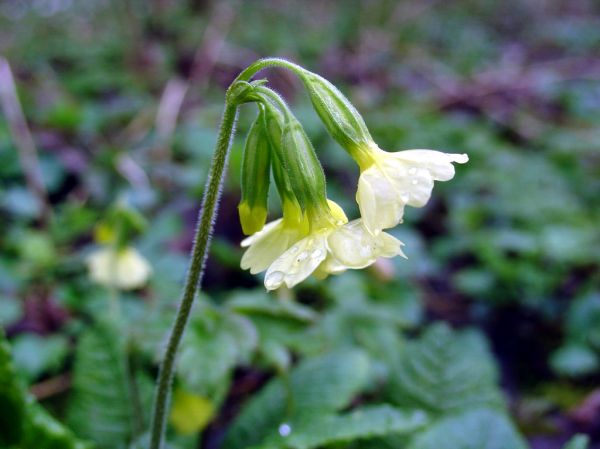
column 340, row 117
column 256, row 163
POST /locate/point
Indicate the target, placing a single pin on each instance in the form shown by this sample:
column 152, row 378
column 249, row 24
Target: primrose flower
column 333, row 246
column 125, row 269
column 390, row 181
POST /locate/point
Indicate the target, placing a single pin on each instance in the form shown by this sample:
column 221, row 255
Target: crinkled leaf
column 445, row 371
column 320, row 385
column 369, row 422
column 474, row 429
column 214, row 343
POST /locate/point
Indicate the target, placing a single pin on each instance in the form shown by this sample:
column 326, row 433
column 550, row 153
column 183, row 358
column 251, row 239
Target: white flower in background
column 390, row 181
column 125, row 269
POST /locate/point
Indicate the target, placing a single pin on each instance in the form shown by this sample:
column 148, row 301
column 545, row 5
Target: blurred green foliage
column 510, row 247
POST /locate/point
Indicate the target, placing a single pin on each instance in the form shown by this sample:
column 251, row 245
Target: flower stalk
column 206, row 219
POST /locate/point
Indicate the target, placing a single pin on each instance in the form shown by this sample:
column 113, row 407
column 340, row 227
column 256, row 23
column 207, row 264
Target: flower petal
column 268, row 228
column 354, row 247
column 437, row 163
column 273, row 241
column 379, row 201
column 298, row 262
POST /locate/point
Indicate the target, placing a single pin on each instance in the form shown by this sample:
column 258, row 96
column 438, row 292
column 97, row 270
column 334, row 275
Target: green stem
column 261, row 64
column 199, row 253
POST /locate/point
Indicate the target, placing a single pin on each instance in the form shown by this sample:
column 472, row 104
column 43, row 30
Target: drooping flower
column 125, row 269
column 390, row 181
column 314, row 235
column 332, row 246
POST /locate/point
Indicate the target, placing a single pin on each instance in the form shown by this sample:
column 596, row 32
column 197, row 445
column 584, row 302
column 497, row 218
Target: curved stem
column 199, row 253
column 261, row 64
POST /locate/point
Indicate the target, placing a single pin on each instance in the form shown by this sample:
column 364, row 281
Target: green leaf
column 474, row 429
column 101, row 406
column 319, row 385
column 368, row 422
column 445, row 371
column 578, row 442
column 42, row 431
column 214, row 343
column 34, row 355
column 259, row 302
column 574, row 359
column 12, row 399
column 23, row 423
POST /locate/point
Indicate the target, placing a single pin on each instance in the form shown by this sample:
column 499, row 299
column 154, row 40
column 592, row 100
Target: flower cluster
column 314, row 235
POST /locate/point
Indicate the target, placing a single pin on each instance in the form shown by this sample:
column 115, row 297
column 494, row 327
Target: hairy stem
column 261, row 64
column 199, row 253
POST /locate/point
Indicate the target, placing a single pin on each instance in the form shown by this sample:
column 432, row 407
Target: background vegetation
column 487, row 336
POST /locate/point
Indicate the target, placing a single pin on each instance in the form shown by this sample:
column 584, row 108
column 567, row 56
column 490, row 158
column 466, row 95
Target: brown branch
column 51, row 387
column 23, row 139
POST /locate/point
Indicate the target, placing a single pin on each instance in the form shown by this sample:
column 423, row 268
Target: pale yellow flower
column 390, row 181
column 125, row 269
column 328, row 250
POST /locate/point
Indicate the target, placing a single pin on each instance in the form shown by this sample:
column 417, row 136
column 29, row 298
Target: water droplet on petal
column 365, row 251
column 284, row 430
column 412, row 171
column 274, row 279
column 405, row 197
column 303, row 255
column 415, row 182
column 294, row 249
column 316, row 253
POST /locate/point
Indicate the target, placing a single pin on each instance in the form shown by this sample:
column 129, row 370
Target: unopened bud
column 256, row 163
column 339, row 116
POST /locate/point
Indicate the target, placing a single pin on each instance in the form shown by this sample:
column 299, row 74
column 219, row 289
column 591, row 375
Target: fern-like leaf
column 101, row 409
column 474, row 429
column 368, row 422
column 445, row 371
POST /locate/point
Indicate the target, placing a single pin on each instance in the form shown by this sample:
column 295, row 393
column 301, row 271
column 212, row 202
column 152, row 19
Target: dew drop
column 285, row 430
column 302, row 256
column 316, row 253
column 412, row 171
column 415, row 182
column 294, row 249
column 365, row 251
column 405, row 197
column 273, row 280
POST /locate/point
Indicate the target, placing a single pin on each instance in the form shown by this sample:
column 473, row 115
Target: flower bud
column 339, row 116
column 302, row 165
column 255, row 178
